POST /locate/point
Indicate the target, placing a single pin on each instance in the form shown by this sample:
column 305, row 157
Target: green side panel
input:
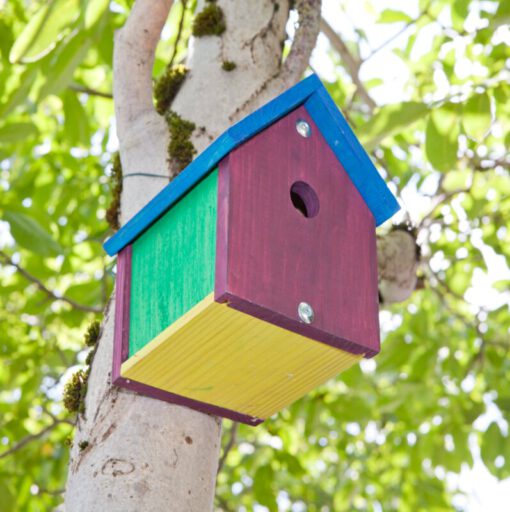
column 173, row 263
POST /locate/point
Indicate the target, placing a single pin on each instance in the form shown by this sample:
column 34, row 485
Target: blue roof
column 333, row 127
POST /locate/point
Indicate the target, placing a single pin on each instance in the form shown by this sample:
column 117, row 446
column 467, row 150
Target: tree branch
column 295, row 64
column 179, row 33
column 50, row 293
column 351, row 64
column 89, row 91
column 28, row 439
column 230, row 444
column 140, row 129
column 442, row 199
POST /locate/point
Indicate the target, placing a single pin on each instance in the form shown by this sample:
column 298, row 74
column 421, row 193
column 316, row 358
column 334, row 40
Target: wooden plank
column 209, row 158
column 351, row 154
column 277, row 258
column 122, row 302
column 173, row 263
column 121, row 350
column 219, row 356
column 166, row 396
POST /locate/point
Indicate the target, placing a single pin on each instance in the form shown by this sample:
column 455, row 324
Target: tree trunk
column 144, row 454
column 133, row 453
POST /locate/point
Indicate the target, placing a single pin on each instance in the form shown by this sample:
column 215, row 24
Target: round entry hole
column 304, row 199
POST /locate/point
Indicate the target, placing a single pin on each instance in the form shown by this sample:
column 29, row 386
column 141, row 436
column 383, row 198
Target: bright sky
column 482, row 491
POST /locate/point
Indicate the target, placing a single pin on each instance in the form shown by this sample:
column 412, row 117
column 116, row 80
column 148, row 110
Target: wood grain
column 219, row 356
column 208, row 159
column 173, row 264
column 346, row 147
column 326, row 115
column 122, row 304
column 121, row 351
column 277, row 258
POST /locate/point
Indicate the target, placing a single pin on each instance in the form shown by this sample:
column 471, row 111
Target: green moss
column 92, row 334
column 83, row 445
column 209, row 22
column 180, row 149
column 75, row 391
column 113, row 211
column 168, row 86
column 228, row 65
column 90, row 357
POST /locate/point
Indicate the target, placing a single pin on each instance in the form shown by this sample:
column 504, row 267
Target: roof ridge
column 323, row 111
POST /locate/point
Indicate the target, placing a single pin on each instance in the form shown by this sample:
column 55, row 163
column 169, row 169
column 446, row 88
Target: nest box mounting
column 252, row 277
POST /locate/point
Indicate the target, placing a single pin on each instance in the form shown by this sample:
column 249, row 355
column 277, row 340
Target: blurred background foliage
column 390, row 434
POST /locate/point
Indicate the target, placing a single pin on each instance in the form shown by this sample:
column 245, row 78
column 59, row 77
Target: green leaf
column 263, row 487
column 7, row 498
column 20, row 93
column 441, row 139
column 459, row 11
column 393, row 16
column 390, row 120
column 93, row 11
column 75, row 120
column 502, row 286
column 476, row 116
column 86, row 293
column 456, row 180
column 44, row 30
column 492, row 446
column 31, row 235
column 63, row 64
column 503, row 13
column 16, row 132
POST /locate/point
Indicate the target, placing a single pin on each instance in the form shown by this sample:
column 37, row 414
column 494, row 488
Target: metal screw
column 303, row 128
column 305, row 312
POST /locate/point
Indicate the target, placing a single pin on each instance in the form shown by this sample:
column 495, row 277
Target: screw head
column 305, row 312
column 303, row 128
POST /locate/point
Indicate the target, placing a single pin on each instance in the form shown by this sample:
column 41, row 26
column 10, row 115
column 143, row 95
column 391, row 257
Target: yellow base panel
column 218, row 355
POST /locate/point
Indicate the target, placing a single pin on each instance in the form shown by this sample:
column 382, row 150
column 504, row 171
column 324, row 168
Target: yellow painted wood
column 218, row 355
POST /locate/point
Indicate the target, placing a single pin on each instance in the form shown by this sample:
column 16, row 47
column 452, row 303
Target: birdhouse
column 252, row 277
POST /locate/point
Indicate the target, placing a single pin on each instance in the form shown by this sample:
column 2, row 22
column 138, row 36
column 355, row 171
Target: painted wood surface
column 325, row 114
column 219, row 356
column 121, row 350
column 276, row 258
column 173, row 264
column 122, row 298
column 352, row 156
column 208, row 159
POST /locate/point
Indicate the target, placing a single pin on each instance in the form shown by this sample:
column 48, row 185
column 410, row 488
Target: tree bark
column 144, row 454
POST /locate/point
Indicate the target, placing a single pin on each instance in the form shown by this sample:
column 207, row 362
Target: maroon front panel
column 271, row 257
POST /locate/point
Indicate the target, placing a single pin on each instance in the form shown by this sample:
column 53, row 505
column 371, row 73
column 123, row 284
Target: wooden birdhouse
column 252, row 277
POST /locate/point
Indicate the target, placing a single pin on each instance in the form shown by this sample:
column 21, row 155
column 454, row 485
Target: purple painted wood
column 220, row 278
column 121, row 350
column 122, row 302
column 276, row 257
column 146, row 390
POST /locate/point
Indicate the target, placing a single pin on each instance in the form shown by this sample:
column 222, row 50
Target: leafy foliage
column 385, row 434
